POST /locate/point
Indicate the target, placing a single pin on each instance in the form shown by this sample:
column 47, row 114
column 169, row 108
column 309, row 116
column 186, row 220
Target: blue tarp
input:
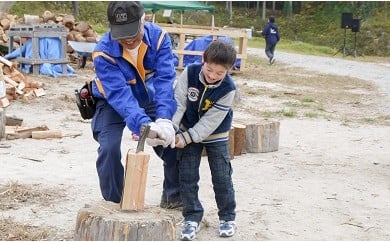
column 200, row 44
column 49, row 48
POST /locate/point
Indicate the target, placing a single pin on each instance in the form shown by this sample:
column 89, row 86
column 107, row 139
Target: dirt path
column 329, row 180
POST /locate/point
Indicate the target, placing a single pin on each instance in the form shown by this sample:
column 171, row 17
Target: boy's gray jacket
column 204, row 112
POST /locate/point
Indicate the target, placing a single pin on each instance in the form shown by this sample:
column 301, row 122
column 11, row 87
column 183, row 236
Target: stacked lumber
column 17, row 85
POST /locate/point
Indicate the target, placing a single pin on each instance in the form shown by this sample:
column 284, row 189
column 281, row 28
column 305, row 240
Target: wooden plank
column 5, row 61
column 16, row 132
column 133, row 195
column 46, row 134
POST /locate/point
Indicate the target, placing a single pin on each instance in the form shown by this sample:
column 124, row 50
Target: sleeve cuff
column 186, row 137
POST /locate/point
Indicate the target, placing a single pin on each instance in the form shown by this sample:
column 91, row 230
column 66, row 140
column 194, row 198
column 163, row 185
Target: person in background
column 271, row 35
column 134, row 87
column 204, row 93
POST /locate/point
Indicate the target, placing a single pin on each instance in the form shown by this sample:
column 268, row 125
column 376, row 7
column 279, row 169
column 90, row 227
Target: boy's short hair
column 271, row 19
column 220, row 52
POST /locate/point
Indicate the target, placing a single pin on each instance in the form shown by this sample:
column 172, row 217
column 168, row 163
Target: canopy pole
column 153, row 18
column 181, row 17
column 212, row 21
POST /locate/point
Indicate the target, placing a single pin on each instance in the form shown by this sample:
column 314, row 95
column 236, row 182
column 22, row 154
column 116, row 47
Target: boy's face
column 214, row 72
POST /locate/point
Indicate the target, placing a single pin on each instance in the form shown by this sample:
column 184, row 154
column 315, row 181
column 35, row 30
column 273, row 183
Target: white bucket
column 249, row 33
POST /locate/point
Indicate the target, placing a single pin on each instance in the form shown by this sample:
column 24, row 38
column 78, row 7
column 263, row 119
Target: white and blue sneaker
column 272, row 60
column 226, row 228
column 189, row 230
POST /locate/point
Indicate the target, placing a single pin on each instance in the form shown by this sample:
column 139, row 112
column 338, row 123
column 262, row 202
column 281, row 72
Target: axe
column 136, row 171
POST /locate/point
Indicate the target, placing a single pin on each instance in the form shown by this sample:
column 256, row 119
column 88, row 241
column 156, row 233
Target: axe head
column 145, row 129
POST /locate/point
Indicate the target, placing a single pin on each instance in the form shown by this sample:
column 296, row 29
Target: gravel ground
column 379, row 73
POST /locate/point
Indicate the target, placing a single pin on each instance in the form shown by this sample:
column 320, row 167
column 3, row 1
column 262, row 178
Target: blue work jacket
column 128, row 86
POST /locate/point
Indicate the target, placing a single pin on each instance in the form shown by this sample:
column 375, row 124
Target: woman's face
column 133, row 42
column 214, row 72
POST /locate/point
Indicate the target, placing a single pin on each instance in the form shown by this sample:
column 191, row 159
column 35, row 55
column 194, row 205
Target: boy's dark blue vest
column 201, row 98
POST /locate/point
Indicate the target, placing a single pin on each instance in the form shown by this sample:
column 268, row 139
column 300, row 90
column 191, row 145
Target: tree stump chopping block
column 262, row 136
column 106, row 221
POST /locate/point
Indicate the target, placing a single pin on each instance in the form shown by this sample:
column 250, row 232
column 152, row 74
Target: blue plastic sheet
column 200, row 44
column 49, row 48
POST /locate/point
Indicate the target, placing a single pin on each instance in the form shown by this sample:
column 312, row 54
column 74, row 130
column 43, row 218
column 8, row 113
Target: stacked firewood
column 17, row 85
column 76, row 31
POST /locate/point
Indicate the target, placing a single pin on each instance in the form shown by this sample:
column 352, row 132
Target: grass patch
column 287, row 113
column 15, row 195
column 11, row 230
column 311, row 114
column 307, row 100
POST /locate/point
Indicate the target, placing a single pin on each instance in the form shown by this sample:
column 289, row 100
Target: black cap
column 125, row 19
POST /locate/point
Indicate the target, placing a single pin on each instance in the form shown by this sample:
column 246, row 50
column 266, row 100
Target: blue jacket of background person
column 129, row 86
column 271, row 33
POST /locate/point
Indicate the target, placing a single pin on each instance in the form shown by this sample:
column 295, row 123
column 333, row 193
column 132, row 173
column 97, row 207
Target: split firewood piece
column 5, row 61
column 4, row 102
column 134, row 185
column 39, row 92
column 19, row 86
column 46, row 134
column 23, row 132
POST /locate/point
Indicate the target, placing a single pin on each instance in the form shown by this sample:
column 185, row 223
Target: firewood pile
column 76, row 31
column 17, row 85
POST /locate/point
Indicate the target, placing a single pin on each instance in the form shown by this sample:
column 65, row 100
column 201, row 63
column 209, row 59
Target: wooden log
column 46, row 134
column 231, row 142
column 262, row 136
column 105, row 221
column 2, row 123
column 239, row 138
column 134, row 186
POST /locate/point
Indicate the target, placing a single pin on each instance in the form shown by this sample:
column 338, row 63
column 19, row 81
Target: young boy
column 204, row 95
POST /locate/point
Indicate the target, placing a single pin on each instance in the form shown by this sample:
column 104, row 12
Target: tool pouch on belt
column 85, row 101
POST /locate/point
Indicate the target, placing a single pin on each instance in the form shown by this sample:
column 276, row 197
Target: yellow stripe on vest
column 100, row 53
column 100, row 87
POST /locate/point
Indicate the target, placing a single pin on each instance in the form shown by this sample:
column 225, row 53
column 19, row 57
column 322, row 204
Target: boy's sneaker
column 226, row 228
column 272, row 60
column 189, row 230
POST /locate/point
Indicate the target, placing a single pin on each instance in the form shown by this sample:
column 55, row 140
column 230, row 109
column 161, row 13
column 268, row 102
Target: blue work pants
column 107, row 128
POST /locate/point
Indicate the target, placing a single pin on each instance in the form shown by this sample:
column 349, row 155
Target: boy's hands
column 180, row 143
column 165, row 133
